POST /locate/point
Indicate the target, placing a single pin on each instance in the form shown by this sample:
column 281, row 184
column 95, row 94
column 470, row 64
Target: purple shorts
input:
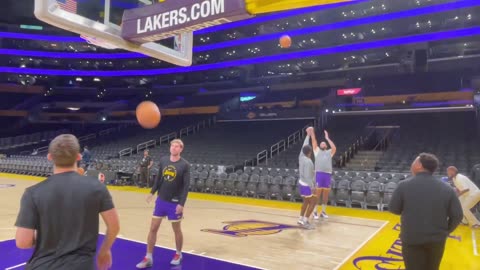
column 166, row 209
column 323, row 180
column 305, row 191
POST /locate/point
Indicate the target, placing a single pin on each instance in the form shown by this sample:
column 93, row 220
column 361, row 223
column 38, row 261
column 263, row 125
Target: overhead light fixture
column 73, row 108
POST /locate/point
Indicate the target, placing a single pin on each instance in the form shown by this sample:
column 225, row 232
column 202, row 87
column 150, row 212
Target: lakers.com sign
column 171, row 17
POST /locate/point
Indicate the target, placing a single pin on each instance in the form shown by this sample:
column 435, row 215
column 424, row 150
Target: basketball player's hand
column 309, row 131
column 104, row 260
column 149, row 198
column 179, row 209
column 326, row 134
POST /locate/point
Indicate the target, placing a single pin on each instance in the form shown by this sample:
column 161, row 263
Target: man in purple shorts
column 172, row 185
column 306, row 184
column 323, row 169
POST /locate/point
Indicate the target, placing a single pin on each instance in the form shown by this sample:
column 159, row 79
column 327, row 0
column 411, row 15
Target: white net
column 99, row 42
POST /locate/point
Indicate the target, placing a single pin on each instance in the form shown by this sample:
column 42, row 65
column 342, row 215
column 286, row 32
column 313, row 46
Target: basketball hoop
column 98, row 42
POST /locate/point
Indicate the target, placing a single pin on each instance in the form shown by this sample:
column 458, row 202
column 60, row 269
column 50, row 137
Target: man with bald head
column 468, row 193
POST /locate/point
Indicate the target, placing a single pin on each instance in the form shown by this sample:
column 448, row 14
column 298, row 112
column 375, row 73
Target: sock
column 324, row 207
column 179, row 253
column 149, row 256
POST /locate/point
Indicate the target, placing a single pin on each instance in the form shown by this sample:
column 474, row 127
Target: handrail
column 125, row 152
column 294, row 138
column 286, row 143
column 186, row 131
column 87, row 137
column 43, row 149
column 106, row 131
column 276, row 148
column 262, row 156
column 382, row 141
column 247, row 162
column 145, row 145
column 167, row 138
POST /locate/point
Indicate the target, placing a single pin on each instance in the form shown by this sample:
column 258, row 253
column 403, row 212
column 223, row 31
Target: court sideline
column 227, row 228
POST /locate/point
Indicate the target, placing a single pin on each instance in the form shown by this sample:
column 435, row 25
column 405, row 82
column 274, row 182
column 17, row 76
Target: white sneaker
column 309, row 226
column 145, row 263
column 301, row 221
column 177, row 259
column 315, row 216
column 324, row 215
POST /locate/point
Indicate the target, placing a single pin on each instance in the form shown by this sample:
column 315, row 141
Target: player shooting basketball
column 306, row 183
column 323, row 169
column 172, row 185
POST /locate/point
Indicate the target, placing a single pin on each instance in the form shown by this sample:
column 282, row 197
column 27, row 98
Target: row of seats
column 349, row 188
column 30, row 166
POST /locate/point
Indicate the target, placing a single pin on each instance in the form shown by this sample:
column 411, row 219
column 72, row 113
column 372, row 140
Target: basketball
column 285, row 42
column 81, row 171
column 148, row 114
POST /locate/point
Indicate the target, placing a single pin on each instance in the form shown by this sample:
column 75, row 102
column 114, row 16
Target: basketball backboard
column 137, row 25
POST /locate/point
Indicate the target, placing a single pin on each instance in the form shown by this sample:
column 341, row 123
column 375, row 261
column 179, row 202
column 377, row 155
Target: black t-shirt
column 64, row 209
column 173, row 182
column 145, row 162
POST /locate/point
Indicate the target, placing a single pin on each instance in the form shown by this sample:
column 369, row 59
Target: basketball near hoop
column 285, row 42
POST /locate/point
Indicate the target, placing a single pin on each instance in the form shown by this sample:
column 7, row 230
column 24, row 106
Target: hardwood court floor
column 262, row 233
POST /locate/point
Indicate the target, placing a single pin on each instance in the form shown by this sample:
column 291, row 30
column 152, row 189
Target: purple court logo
column 6, row 185
column 392, row 259
column 173, row 17
column 244, row 228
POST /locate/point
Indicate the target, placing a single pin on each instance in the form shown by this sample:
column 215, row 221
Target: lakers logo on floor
column 246, row 228
column 6, row 185
column 389, row 259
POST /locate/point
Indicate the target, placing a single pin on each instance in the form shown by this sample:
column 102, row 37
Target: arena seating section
column 218, row 153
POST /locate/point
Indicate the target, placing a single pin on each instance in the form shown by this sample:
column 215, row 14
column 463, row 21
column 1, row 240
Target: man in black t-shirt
column 172, row 186
column 145, row 164
column 59, row 216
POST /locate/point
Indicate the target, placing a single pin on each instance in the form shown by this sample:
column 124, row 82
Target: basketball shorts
column 164, row 209
column 305, row 191
column 324, row 179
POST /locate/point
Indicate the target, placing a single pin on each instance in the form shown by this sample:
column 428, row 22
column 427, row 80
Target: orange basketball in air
column 81, row 171
column 148, row 114
column 285, row 42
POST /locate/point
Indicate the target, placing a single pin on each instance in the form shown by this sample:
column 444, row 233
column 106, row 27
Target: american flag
column 68, row 5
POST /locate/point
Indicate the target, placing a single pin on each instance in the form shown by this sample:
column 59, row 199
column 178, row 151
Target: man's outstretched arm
column 330, row 142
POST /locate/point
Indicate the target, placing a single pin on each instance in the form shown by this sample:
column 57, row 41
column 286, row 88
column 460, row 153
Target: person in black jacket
column 430, row 210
